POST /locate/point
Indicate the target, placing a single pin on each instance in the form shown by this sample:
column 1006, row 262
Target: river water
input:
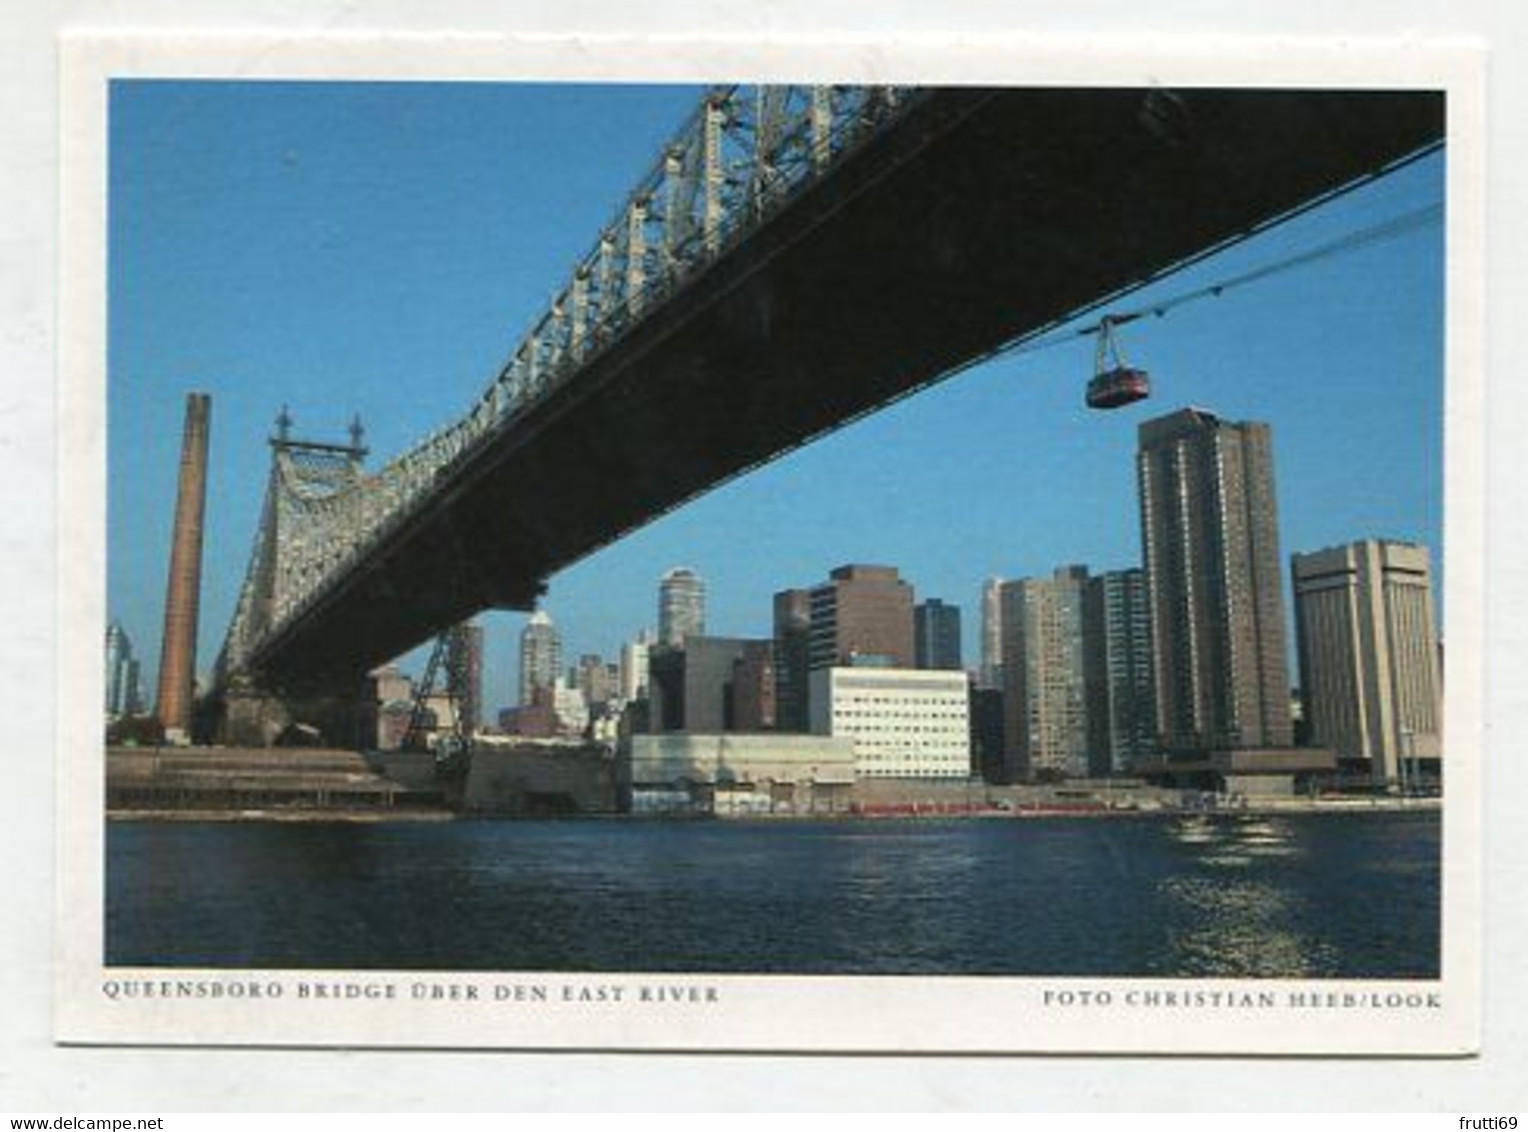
column 1305, row 895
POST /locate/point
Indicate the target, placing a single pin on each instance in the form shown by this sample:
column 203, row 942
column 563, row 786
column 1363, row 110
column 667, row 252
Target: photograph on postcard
column 960, row 534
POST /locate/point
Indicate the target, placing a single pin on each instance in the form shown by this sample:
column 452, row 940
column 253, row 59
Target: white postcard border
column 93, row 1003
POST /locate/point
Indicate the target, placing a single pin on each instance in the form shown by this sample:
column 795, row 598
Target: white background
column 35, row 1076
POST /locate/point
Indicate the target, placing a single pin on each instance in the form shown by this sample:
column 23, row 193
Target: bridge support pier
column 256, row 717
column 252, row 717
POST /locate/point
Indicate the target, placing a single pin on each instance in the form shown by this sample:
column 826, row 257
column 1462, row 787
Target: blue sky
column 380, row 248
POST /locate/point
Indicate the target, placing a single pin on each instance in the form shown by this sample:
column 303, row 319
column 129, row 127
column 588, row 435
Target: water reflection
column 1194, row 830
column 1231, row 914
column 1267, row 837
column 1238, row 928
column 1222, row 894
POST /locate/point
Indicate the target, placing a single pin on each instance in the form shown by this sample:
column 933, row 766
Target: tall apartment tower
column 1367, row 643
column 936, row 635
column 1209, row 529
column 1045, row 723
column 990, row 674
column 1122, row 717
column 681, row 606
column 793, row 633
column 177, row 657
column 862, row 614
column 540, row 657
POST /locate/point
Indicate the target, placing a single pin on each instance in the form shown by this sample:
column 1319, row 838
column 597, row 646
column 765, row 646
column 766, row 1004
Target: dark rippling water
column 1303, row 895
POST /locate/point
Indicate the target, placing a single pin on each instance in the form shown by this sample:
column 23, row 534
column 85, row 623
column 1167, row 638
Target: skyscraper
column 122, row 693
column 1117, row 659
column 1045, row 726
column 1368, row 652
column 862, row 613
column 936, row 635
column 1209, row 529
column 681, row 606
column 540, row 656
column 990, row 675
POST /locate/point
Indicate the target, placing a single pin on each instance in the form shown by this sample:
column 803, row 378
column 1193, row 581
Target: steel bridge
column 795, row 258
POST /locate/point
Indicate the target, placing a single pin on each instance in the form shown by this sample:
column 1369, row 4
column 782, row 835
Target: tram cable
column 1391, row 229
column 1056, row 333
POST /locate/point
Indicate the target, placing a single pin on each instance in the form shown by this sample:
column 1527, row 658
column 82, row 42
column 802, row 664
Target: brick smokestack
column 177, row 656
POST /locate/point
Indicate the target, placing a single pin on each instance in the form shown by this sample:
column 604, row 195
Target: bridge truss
column 742, row 155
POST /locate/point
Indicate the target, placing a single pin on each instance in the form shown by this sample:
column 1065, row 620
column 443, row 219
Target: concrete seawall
column 532, row 780
column 558, row 780
column 314, row 783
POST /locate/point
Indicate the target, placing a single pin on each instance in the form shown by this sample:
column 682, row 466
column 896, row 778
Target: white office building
column 1369, row 673
column 904, row 723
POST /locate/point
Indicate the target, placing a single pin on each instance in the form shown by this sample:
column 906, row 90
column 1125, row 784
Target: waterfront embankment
column 250, row 783
column 318, row 785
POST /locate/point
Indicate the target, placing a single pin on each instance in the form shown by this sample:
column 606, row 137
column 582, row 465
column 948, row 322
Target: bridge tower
column 306, row 476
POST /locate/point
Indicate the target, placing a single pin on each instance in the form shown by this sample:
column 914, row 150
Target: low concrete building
column 1252, row 772
column 736, row 774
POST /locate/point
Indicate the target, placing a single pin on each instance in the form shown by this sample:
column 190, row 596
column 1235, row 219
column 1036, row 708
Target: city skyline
column 541, row 619
column 939, row 515
column 1134, row 607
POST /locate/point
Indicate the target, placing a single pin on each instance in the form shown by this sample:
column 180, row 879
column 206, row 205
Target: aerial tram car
column 1115, row 384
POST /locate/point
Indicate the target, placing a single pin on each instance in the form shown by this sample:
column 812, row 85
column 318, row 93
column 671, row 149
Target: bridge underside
column 979, row 216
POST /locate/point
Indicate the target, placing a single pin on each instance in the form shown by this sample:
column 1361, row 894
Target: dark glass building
column 936, row 635
column 1122, row 718
column 793, row 632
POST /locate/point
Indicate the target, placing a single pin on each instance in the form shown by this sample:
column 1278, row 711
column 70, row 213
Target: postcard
column 724, row 547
